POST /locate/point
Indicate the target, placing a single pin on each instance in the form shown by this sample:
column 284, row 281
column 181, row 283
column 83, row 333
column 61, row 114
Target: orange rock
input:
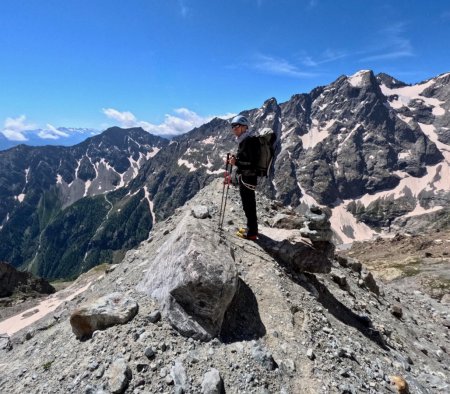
column 400, row 383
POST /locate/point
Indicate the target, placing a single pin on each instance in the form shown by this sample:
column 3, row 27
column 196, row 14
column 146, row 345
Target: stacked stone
column 317, row 228
column 317, row 225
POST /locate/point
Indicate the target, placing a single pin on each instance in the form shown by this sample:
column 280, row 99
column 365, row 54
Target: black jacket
column 247, row 156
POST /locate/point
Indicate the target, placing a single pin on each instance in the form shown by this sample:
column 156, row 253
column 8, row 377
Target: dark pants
column 249, row 203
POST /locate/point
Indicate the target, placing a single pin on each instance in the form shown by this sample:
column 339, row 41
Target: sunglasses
column 233, row 126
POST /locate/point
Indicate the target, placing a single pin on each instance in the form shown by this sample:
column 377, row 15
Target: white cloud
column 445, row 15
column 328, row 56
column 279, row 66
column 52, row 133
column 184, row 10
column 14, row 128
column 393, row 45
column 126, row 119
column 181, row 122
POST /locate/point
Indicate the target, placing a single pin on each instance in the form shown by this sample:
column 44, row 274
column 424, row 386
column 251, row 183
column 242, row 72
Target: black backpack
column 267, row 140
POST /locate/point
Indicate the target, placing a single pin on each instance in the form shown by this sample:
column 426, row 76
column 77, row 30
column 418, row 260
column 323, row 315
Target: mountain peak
column 361, row 78
column 389, row 81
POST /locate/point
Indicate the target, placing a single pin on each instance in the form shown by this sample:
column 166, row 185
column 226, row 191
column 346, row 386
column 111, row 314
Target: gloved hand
column 227, row 178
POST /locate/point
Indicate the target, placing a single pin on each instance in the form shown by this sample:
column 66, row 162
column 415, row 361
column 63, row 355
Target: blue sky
column 169, row 65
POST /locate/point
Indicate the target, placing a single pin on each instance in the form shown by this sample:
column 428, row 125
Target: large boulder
column 194, row 278
column 107, row 311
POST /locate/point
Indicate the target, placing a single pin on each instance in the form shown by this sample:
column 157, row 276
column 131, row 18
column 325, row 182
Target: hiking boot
column 246, row 235
column 243, row 230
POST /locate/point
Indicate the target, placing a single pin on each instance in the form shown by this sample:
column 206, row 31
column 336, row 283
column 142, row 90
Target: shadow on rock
column 300, row 260
column 242, row 321
column 362, row 323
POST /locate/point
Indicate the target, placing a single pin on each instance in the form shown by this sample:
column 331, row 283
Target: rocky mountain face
column 371, row 148
column 197, row 310
column 13, row 281
column 53, row 199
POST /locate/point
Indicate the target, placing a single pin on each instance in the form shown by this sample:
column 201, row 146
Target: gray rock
column 5, row 342
column 194, row 278
column 369, row 281
column 102, row 313
column 200, row 212
column 212, row 383
column 397, row 311
column 287, row 366
column 149, row 353
column 299, row 256
column 310, row 354
column 179, row 376
column 264, row 357
column 119, row 376
column 339, row 278
column 163, row 372
column 349, row 262
column 445, row 299
column 289, row 222
column 154, row 317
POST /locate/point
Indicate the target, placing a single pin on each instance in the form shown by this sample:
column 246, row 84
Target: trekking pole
column 223, row 189
column 226, row 195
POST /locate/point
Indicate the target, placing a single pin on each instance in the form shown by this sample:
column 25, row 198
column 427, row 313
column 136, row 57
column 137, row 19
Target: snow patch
column 407, row 93
column 27, row 171
column 134, row 165
column 150, row 204
column 186, row 163
column 20, row 197
column 78, row 168
column 345, row 225
column 419, row 210
column 18, row 322
column 347, row 137
column 209, row 141
column 430, row 131
column 151, row 154
column 306, row 198
column 208, row 164
column 404, row 155
column 87, row 184
column 316, row 135
column 435, row 179
column 357, row 79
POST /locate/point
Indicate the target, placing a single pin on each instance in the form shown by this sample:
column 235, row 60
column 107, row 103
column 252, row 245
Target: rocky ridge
column 289, row 331
column 371, row 148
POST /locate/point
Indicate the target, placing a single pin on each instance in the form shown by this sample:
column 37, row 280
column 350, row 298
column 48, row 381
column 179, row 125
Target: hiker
column 246, row 162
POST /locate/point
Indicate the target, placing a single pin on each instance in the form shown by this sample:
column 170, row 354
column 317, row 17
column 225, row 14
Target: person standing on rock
column 246, row 161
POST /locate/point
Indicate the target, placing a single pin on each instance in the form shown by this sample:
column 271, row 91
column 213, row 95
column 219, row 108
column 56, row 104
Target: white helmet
column 240, row 119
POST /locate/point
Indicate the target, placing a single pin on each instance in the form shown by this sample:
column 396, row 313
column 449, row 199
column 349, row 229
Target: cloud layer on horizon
column 19, row 129
column 14, row 129
column 183, row 121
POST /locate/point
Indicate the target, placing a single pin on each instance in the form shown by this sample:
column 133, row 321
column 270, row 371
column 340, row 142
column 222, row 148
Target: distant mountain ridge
column 38, row 183
column 373, row 149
